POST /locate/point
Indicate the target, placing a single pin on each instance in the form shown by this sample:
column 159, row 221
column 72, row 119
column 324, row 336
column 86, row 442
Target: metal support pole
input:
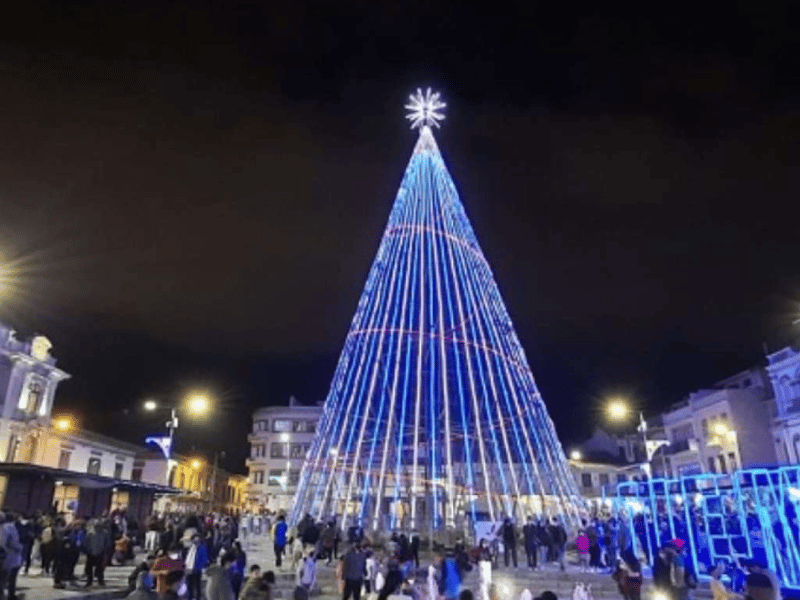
column 171, row 425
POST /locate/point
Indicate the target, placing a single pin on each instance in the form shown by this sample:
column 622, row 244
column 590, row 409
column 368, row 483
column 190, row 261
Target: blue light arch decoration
column 433, row 419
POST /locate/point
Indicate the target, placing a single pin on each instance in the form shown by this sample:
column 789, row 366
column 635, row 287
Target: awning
column 84, row 480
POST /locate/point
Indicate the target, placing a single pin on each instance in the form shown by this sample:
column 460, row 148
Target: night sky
column 191, row 195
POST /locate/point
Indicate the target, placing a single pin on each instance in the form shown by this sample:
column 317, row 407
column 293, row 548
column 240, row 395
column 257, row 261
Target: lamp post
column 196, row 405
column 619, row 410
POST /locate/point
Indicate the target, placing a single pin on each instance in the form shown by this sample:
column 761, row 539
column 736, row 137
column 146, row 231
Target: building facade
column 279, row 443
column 719, row 430
column 50, row 464
column 783, row 370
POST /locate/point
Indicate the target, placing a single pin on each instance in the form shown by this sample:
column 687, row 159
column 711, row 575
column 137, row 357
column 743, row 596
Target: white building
column 50, row 464
column 783, row 368
column 719, row 430
column 279, row 442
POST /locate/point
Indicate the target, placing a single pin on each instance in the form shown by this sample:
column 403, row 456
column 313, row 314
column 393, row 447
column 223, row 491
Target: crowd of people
column 201, row 557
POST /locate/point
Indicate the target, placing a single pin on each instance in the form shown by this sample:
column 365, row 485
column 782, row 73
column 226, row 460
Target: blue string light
column 432, row 387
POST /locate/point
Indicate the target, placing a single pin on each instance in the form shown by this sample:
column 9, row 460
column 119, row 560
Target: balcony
column 680, row 446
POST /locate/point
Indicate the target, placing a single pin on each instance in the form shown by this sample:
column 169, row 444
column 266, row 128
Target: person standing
column 253, row 588
column 218, row 586
column 484, row 570
column 27, row 534
column 9, row 541
column 327, row 540
column 414, row 546
column 238, row 567
column 433, row 577
column 450, row 582
column 95, row 545
column 559, row 536
column 307, row 574
column 509, row 541
column 196, row 562
column 530, row 536
column 394, row 579
column 353, row 569
column 629, row 576
column 279, row 539
column 48, row 544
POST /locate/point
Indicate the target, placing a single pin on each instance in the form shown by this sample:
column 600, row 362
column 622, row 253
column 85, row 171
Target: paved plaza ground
column 510, row 581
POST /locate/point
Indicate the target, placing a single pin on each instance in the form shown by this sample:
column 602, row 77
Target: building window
column 63, row 459
column 682, row 433
column 31, row 399
column 258, row 477
column 705, row 427
column 732, row 461
column 118, row 470
column 712, row 465
column 93, row 468
column 604, row 479
column 275, row 477
column 722, row 467
column 297, row 451
column 294, row 477
column 305, row 426
column 182, row 480
column 136, row 474
column 281, row 425
column 278, row 450
column 586, row 480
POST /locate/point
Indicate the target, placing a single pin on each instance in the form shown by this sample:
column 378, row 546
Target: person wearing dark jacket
column 354, row 566
column 509, row 541
column 394, row 579
column 414, row 546
column 530, row 535
column 95, row 545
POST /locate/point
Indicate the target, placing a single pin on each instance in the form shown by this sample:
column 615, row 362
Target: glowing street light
column 198, row 405
column 576, row 455
column 150, row 405
column 720, row 428
column 63, row 423
column 618, row 410
column 196, row 464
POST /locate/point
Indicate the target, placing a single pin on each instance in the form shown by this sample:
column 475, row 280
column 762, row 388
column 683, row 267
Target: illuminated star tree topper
column 425, row 109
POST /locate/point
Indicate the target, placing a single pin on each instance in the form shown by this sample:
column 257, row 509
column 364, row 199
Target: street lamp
column 196, row 405
column 576, row 455
column 618, row 410
column 63, row 423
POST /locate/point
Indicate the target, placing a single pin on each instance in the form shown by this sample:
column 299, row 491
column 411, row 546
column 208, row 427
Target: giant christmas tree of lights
column 433, row 418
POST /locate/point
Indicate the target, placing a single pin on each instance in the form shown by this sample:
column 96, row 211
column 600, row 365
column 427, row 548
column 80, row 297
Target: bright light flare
column 150, row 405
column 720, row 428
column 196, row 464
column 576, row 455
column 63, row 423
column 198, row 405
column 424, row 109
column 618, row 410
